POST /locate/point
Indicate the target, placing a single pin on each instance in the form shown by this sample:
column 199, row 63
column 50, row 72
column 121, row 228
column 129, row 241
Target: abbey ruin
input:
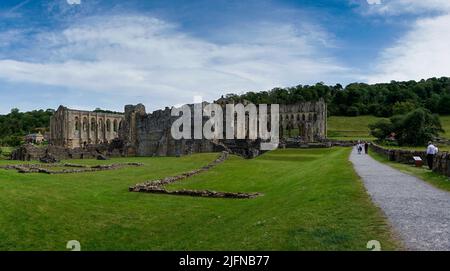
column 138, row 133
column 76, row 128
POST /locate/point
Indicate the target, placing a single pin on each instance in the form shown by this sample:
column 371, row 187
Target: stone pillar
column 129, row 132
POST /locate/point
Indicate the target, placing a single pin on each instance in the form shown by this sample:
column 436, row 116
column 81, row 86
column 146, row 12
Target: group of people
column 432, row 150
column 362, row 145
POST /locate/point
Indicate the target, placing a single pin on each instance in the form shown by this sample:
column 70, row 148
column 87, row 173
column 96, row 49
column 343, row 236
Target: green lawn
column 355, row 128
column 313, row 200
column 438, row 180
column 350, row 128
column 445, row 121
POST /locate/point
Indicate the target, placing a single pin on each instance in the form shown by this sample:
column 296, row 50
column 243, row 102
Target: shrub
column 414, row 128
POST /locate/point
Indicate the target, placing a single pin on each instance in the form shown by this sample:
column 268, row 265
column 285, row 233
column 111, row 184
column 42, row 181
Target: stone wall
column 150, row 134
column 30, row 152
column 310, row 118
column 441, row 161
column 158, row 186
column 76, row 128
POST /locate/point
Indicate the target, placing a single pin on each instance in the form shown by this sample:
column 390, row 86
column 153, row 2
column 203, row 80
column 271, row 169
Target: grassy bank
column 356, row 128
column 350, row 128
column 313, row 200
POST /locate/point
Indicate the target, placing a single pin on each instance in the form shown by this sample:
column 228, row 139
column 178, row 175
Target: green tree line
column 16, row 124
column 383, row 100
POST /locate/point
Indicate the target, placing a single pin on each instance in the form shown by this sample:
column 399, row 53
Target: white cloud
column 145, row 57
column 421, row 53
column 374, row 2
column 397, row 7
column 74, row 2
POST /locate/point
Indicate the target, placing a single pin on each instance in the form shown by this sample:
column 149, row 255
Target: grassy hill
column 350, row 128
column 300, row 209
column 355, row 128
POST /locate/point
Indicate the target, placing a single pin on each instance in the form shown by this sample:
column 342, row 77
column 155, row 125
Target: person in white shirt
column 359, row 147
column 431, row 152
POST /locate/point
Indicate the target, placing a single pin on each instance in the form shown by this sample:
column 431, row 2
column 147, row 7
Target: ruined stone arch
column 115, row 126
column 77, row 124
column 101, row 125
column 93, row 124
column 85, row 124
column 108, row 125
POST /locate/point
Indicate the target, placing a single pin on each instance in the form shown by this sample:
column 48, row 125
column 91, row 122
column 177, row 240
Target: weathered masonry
column 75, row 128
column 149, row 134
column 309, row 118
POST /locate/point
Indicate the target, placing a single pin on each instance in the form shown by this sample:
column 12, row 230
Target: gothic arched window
column 93, row 124
column 115, row 125
column 77, row 124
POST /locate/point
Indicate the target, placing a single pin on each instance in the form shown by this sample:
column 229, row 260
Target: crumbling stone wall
column 76, row 128
column 441, row 160
column 82, row 134
column 152, row 136
column 158, row 186
column 30, row 152
column 310, row 118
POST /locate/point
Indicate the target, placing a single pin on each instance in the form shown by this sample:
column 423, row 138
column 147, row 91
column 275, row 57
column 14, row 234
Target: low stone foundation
column 47, row 168
column 157, row 186
column 29, row 152
column 441, row 160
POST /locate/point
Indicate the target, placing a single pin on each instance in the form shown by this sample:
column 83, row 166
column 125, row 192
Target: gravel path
column 419, row 212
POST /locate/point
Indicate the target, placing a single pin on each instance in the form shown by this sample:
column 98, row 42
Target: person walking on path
column 359, row 147
column 431, row 152
column 366, row 147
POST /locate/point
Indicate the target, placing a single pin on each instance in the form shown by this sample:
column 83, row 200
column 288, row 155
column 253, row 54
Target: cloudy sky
column 106, row 53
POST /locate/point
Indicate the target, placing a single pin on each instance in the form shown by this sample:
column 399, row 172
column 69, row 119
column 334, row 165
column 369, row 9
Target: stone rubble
column 157, row 186
column 42, row 168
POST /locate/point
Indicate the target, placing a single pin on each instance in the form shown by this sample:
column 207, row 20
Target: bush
column 381, row 129
column 414, row 128
column 401, row 108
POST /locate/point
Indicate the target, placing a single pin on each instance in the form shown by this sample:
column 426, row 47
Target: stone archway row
column 47, row 168
column 158, row 186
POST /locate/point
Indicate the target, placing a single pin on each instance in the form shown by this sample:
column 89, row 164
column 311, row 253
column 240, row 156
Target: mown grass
column 350, row 128
column 313, row 200
column 438, row 180
column 445, row 121
column 356, row 128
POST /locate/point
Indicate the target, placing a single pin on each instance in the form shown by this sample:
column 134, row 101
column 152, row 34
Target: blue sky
column 107, row 53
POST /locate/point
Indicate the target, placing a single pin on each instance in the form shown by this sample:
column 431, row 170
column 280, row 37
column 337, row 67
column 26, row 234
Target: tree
column 16, row 124
column 444, row 104
column 401, row 108
column 353, row 111
column 414, row 128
